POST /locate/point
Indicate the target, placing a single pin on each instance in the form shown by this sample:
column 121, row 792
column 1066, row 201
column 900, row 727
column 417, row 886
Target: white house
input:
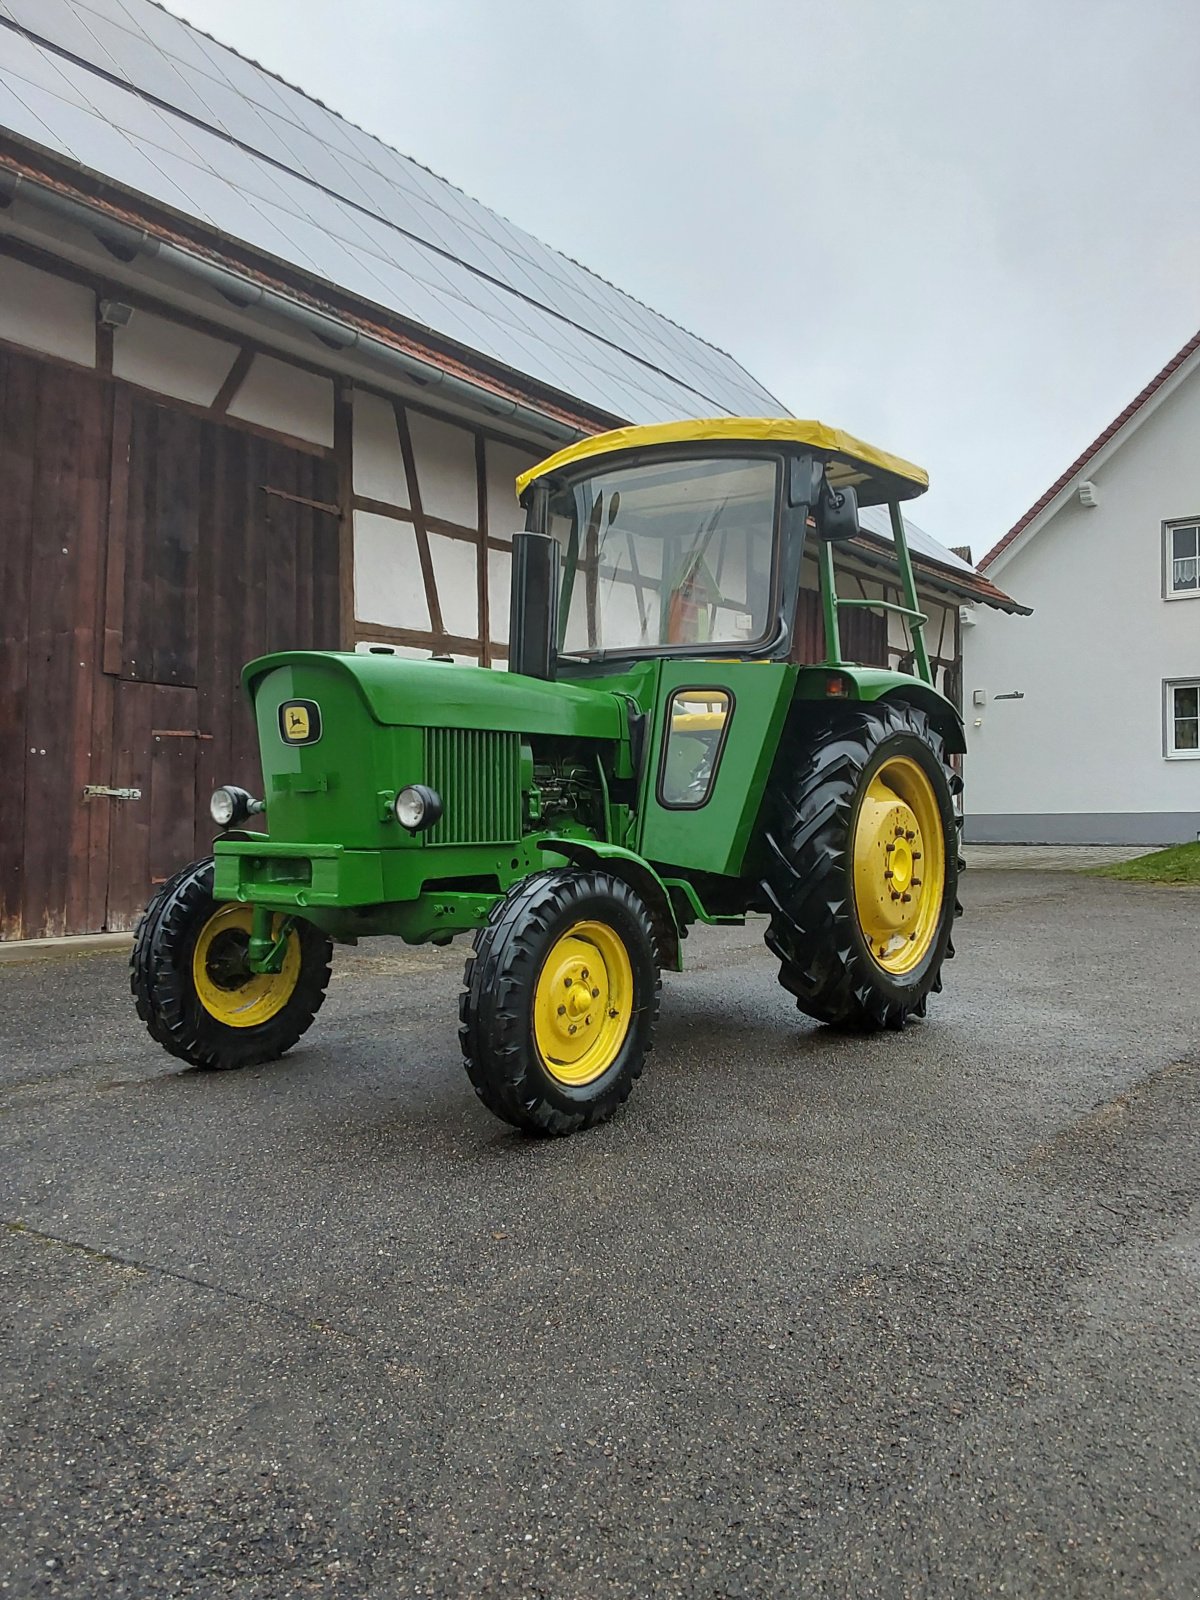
column 1083, row 722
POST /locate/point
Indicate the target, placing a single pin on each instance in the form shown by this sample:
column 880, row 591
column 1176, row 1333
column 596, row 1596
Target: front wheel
column 862, row 865
column 194, row 988
column 560, row 1002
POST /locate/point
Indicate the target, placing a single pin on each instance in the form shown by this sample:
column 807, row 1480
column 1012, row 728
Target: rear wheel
column 193, row 986
column 863, row 865
column 560, row 1002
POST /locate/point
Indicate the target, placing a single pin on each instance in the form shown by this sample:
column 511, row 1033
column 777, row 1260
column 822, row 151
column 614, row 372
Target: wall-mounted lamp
column 114, row 314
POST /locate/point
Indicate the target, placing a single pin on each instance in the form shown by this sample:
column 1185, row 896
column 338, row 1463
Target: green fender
column 639, row 875
column 877, row 683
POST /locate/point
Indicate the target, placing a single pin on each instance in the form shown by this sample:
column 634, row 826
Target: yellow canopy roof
column 876, row 475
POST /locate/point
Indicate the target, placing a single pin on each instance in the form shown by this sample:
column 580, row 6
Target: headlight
column 230, row 804
column 418, row 807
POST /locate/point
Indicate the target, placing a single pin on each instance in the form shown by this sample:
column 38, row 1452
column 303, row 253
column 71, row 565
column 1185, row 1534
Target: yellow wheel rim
column 583, row 1003
column 225, row 986
column 899, row 865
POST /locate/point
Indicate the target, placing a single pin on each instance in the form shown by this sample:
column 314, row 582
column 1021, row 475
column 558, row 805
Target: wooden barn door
column 223, row 545
column 54, row 466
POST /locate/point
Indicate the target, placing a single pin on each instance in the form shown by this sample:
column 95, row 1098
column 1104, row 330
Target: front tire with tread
column 497, row 1028
column 164, row 989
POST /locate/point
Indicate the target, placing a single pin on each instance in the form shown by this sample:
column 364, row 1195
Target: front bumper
column 294, row 877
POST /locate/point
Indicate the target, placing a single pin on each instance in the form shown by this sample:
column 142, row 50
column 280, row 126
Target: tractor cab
column 667, row 561
column 687, row 539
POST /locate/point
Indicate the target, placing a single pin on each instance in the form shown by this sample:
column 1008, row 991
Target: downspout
column 127, row 243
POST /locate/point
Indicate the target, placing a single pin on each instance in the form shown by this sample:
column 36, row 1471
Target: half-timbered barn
column 265, row 382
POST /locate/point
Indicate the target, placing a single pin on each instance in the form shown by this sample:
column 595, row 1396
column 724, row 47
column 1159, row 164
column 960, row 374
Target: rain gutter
column 128, row 243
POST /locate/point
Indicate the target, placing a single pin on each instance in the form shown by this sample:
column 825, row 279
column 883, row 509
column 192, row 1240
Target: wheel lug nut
column 595, row 994
column 588, row 1021
column 910, row 835
column 572, row 1029
column 916, row 855
column 562, row 1011
column 888, row 873
column 566, row 983
column 584, row 974
column 905, row 898
column 916, row 883
column 612, row 1011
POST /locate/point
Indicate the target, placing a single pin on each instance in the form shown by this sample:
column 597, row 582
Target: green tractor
column 656, row 756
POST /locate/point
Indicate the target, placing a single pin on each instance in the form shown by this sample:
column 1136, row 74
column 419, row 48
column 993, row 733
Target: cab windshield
column 666, row 555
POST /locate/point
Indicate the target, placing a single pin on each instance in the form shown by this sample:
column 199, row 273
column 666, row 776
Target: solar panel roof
column 875, row 519
column 139, row 97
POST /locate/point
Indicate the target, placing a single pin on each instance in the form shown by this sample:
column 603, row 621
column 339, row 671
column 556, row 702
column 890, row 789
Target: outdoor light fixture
column 418, row 807
column 230, row 805
column 114, row 314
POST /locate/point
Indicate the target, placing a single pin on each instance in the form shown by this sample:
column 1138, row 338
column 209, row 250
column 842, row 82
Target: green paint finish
column 699, row 912
column 832, row 602
column 714, row 837
column 878, row 683
column 437, row 694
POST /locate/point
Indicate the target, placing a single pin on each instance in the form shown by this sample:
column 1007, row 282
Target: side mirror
column 533, row 619
column 836, row 513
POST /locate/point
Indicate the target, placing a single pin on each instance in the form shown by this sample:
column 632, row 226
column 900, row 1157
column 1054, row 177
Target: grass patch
column 1179, row 864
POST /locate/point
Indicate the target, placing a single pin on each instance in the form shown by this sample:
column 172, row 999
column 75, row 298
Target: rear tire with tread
column 808, row 884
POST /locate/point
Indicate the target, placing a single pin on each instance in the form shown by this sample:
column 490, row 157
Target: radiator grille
column 477, row 774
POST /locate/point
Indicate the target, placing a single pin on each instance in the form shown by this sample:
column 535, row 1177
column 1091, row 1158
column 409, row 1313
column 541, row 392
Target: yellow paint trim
column 864, row 460
column 263, row 994
column 583, row 1003
column 899, row 853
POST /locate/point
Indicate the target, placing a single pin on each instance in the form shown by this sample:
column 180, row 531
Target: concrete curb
column 85, row 944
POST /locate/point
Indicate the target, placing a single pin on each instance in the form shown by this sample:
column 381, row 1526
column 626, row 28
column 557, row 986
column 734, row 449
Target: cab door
column 716, row 727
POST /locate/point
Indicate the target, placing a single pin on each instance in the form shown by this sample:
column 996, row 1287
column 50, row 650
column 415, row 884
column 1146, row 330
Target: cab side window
column 697, row 725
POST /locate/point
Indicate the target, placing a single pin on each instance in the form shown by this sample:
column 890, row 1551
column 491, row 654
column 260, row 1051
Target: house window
column 1182, row 559
column 1183, row 718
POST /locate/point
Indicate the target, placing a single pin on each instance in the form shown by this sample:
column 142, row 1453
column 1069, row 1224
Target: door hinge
column 102, row 791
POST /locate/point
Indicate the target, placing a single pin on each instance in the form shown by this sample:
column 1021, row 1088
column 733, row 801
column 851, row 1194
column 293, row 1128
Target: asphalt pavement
column 910, row 1315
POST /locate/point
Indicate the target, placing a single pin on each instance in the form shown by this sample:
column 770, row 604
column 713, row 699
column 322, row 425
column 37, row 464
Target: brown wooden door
column 54, row 467
column 226, row 548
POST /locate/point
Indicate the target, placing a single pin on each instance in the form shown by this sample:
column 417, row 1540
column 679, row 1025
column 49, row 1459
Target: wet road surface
column 908, row 1315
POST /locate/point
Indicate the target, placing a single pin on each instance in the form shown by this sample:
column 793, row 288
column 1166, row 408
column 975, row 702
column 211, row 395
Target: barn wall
column 434, row 509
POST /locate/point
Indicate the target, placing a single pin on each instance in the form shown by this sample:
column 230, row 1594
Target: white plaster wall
column 47, row 313
column 171, row 359
column 504, row 464
column 288, row 399
column 1090, row 662
column 455, row 569
column 377, row 459
column 499, row 594
column 445, row 461
column 387, row 573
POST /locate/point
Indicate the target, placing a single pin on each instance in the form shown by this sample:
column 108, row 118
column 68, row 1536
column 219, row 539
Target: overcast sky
column 966, row 230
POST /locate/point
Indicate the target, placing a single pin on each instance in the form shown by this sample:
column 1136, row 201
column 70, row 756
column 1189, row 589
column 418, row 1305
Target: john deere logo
column 300, row 721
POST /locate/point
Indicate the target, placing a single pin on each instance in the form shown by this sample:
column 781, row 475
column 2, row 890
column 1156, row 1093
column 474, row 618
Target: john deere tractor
column 657, row 755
